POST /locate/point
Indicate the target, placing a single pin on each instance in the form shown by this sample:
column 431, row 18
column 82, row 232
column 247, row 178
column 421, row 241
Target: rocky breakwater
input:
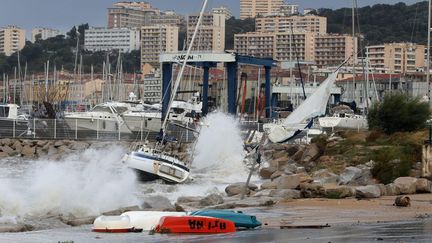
column 302, row 171
column 57, row 149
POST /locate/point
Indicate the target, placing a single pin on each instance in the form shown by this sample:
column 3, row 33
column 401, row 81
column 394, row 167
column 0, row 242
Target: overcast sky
column 64, row 14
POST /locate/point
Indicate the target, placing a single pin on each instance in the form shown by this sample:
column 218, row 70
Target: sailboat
column 346, row 119
column 152, row 163
column 301, row 119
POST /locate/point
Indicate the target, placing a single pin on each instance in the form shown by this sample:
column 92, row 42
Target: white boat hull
column 147, row 220
column 92, row 124
column 112, row 224
column 138, row 123
column 151, row 167
column 343, row 122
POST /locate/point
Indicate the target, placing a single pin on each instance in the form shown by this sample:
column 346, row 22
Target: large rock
column 339, row 191
column 3, row 155
column 59, row 143
column 238, row 188
column 298, row 155
column 423, row 185
column 290, row 169
column 157, row 203
column 370, row 191
column 285, row 193
column 269, row 185
column 117, row 211
column 305, row 178
column 7, row 149
column 79, row 221
column 312, row 190
column 292, row 149
column 349, row 175
column 324, row 176
column 78, row 145
column 6, row 141
column 267, row 172
column 276, row 175
column 185, row 199
column 280, row 154
column 277, row 147
column 391, row 190
column 311, row 153
column 41, row 143
column 212, row 199
column 406, row 185
column 28, row 151
column 18, row 227
column 263, row 193
column 17, row 146
column 288, row 182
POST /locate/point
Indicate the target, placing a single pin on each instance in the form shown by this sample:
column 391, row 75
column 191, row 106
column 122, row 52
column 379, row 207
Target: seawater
column 94, row 180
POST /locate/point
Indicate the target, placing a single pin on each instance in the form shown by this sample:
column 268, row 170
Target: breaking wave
column 83, row 184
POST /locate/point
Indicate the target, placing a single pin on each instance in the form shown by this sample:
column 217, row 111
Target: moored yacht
column 105, row 117
column 12, row 124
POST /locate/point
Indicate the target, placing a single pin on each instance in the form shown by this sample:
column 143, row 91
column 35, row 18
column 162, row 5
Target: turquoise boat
column 240, row 219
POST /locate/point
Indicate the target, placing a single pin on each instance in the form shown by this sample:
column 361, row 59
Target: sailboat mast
column 179, row 75
column 354, row 49
column 428, row 54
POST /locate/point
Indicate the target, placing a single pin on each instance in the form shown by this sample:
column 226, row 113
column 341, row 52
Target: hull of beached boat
column 194, row 224
column 147, row 220
column 150, row 167
column 240, row 219
column 112, row 224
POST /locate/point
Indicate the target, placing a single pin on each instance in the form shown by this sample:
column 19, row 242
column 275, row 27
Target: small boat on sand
column 147, row 220
column 194, row 224
column 240, row 219
column 113, row 224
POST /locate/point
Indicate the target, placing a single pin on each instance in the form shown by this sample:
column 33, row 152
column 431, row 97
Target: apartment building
column 105, row 39
column 44, row 33
column 156, row 39
column 255, row 44
column 211, row 33
column 298, row 45
column 223, row 10
column 281, row 46
column 289, row 9
column 152, row 91
column 130, row 14
column 396, row 57
column 167, row 18
column 12, row 39
column 254, row 8
column 283, row 23
column 333, row 49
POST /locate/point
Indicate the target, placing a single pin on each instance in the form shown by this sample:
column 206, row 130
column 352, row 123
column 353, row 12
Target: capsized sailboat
column 152, row 163
column 301, row 118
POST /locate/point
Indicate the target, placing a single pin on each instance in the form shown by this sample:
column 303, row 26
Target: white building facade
column 44, row 33
column 104, row 39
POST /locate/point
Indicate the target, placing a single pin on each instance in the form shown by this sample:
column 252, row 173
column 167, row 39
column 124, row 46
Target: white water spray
column 219, row 148
column 82, row 184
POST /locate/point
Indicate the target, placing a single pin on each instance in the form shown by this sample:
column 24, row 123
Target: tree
column 399, row 113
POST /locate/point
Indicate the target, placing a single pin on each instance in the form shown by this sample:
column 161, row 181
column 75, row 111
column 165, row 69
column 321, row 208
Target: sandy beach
column 318, row 211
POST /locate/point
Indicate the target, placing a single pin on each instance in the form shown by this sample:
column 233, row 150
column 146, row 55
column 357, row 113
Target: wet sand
column 341, row 211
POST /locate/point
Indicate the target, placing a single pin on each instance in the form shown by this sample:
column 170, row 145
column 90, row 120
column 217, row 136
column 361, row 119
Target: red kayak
column 194, row 224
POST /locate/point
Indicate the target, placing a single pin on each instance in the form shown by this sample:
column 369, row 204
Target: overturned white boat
column 297, row 123
column 113, row 224
column 151, row 164
column 147, row 220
